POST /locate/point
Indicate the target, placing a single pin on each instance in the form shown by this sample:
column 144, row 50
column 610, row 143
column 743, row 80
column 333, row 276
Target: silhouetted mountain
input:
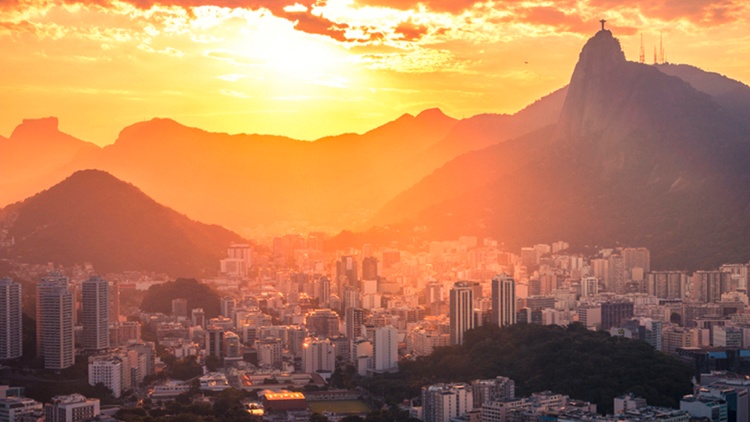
column 33, row 157
column 733, row 96
column 638, row 157
column 243, row 181
column 93, row 217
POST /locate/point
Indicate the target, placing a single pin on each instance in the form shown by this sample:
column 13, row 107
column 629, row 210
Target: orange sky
column 311, row 68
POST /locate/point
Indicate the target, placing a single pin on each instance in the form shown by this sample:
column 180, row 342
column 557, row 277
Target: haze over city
column 374, row 210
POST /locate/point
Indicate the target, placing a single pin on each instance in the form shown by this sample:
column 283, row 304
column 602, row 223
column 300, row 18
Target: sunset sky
column 311, row 68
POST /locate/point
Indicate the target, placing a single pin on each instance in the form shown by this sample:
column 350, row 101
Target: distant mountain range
column 655, row 156
column 245, row 181
column 92, row 217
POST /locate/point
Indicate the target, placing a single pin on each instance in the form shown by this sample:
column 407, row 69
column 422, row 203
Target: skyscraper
column 11, row 337
column 370, row 268
column 114, row 302
column 503, row 300
column 215, row 341
column 228, row 304
column 461, row 310
column 95, row 293
column 318, row 355
column 55, row 322
column 385, row 349
column 355, row 318
column 347, row 267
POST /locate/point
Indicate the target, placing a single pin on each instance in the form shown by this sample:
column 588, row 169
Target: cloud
column 409, row 31
column 699, row 12
column 448, row 6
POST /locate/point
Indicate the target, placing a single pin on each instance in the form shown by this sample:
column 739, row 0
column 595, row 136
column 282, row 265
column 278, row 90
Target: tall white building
column 503, row 300
column 269, row 352
column 589, row 286
column 72, row 408
column 11, row 336
column 95, row 295
column 461, row 310
column 318, row 355
column 385, row 349
column 55, row 306
column 441, row 402
column 108, row 370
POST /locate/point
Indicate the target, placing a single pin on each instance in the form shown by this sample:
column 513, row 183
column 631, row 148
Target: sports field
column 339, row 406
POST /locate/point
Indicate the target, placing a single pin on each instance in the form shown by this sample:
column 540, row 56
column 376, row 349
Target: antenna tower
column 661, row 48
column 642, row 57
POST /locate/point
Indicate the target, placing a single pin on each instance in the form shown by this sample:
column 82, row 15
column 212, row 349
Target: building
column 323, row 323
column 385, row 349
column 109, row 371
column 114, row 302
column 615, row 280
column 11, row 334
column 284, row 401
column 636, row 258
column 72, row 408
column 461, row 310
column 269, row 352
column 503, row 300
column 318, row 355
column 232, row 345
column 589, row 286
column 238, row 262
column 715, row 410
column 615, row 314
column 346, row 272
column 667, row 284
column 13, row 409
column 179, row 307
column 499, row 388
column 499, row 410
column 729, row 337
column 424, row 341
column 590, row 315
column 354, row 319
column 198, row 317
column 441, row 402
column 96, row 316
column 322, row 288
column 215, row 341
column 708, row 286
column 370, row 268
column 228, row 305
column 55, row 305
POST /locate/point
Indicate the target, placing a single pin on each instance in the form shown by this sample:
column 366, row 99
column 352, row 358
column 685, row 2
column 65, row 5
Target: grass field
column 339, row 406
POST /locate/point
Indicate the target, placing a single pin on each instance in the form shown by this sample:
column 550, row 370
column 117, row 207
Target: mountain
column 247, row 181
column 733, row 96
column 637, row 157
column 93, row 217
column 33, row 157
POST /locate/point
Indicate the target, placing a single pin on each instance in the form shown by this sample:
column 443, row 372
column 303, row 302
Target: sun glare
column 289, row 53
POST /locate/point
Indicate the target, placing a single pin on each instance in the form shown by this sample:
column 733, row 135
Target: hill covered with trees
column 159, row 297
column 583, row 364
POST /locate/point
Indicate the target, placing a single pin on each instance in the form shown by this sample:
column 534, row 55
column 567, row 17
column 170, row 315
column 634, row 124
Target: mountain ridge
column 93, row 217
